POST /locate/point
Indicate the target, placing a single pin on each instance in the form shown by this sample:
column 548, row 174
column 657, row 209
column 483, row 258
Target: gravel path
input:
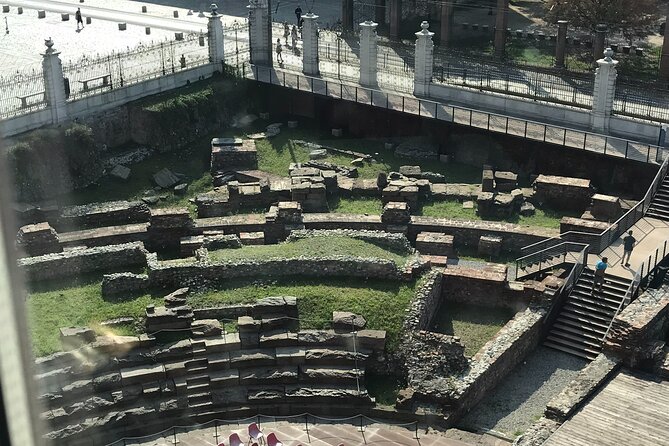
column 520, row 399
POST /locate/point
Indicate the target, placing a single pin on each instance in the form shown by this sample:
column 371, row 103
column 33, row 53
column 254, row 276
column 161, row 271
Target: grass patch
column 371, row 206
column 383, row 388
column 474, row 324
column 79, row 303
column 312, row 247
column 381, row 302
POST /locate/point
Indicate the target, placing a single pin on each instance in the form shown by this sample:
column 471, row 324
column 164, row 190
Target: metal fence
column 339, row 56
column 568, row 88
column 642, row 101
column 22, row 93
column 90, row 76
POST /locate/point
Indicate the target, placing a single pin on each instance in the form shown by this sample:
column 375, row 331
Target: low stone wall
column 538, row 433
column 120, row 284
column 585, row 384
column 498, row 357
column 109, row 235
column 173, row 274
column 86, row 260
column 395, row 242
column 425, row 303
column 103, row 214
column 638, row 332
column 467, row 233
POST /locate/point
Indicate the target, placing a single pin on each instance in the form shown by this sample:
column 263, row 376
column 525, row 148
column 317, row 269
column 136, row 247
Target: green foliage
column 475, row 325
column 371, row 206
column 384, row 389
column 311, row 247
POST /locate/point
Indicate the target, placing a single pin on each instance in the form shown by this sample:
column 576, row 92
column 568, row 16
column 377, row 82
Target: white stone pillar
column 54, row 83
column 215, row 35
column 259, row 32
column 368, row 54
column 310, row 45
column 424, row 60
column 604, row 92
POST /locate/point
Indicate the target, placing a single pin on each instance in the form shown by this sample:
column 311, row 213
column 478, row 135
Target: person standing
column 279, row 50
column 628, row 245
column 600, row 272
column 77, row 16
column 298, row 14
column 293, row 37
column 286, row 33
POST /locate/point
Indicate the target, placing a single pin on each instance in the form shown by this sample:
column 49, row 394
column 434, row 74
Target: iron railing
column 90, row 76
column 580, row 262
column 22, row 92
column 548, row 258
column 642, row 101
column 493, row 122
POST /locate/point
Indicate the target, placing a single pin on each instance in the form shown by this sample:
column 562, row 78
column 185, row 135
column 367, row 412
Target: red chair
column 272, row 440
column 235, row 440
column 256, row 434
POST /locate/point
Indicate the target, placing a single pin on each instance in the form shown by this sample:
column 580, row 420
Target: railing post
column 260, row 38
column 424, row 60
column 368, row 54
column 54, row 84
column 310, row 45
column 604, row 92
column 215, row 36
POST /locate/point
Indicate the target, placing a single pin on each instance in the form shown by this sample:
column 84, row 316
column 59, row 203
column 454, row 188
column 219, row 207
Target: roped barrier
column 360, row 421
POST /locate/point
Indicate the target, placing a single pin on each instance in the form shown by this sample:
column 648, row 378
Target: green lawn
column 371, row 206
column 475, row 325
column 312, row 247
column 381, row 302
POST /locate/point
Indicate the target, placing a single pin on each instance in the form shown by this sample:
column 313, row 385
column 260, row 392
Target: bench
column 24, row 98
column 106, row 82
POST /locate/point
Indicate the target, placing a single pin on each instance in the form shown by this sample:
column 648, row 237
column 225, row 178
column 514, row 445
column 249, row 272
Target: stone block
column 434, row 243
column 120, row 171
column 123, row 284
column 396, row 213
column 247, row 324
column 41, row 14
column 490, row 246
column 233, row 156
column 563, row 192
column 580, row 225
column 89, row 20
column 206, row 327
column 122, row 26
column 252, row 238
column 177, row 298
column 358, row 162
column 75, row 337
column 64, row 17
column 488, row 181
column 344, row 321
column 181, row 189
column 411, row 171
column 527, row 209
column 318, row 154
column 506, row 181
column 606, row 207
column 38, row 239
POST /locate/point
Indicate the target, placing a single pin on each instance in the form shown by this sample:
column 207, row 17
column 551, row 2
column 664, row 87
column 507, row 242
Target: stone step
column 197, row 379
column 585, row 340
column 575, row 352
column 652, row 212
column 593, row 316
column 331, row 374
column 576, row 345
column 202, row 387
column 196, row 363
column 564, row 328
column 583, row 318
column 598, row 302
column 582, row 326
column 198, row 398
column 613, row 281
column 614, row 294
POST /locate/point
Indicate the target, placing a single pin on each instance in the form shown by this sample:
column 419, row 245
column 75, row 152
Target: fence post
column 310, row 45
column 604, row 92
column 424, row 60
column 54, row 83
column 501, row 22
column 215, row 36
column 561, row 45
column 260, row 39
column 368, row 54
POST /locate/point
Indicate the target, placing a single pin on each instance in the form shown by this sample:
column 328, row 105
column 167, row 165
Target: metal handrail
column 540, row 256
column 570, row 281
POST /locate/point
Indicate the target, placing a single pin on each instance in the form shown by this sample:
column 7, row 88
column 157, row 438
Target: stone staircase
column 659, row 206
column 197, row 377
column 585, row 317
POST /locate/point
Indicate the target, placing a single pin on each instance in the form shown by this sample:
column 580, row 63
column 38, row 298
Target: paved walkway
column 632, row 409
column 651, row 235
column 293, row 434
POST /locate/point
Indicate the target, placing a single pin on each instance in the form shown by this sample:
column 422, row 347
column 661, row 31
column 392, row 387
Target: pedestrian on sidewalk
column 80, row 21
column 628, row 244
column 279, row 50
column 298, row 14
column 600, row 272
column 286, row 32
column 293, row 37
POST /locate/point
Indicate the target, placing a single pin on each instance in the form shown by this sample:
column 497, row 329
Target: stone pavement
column 292, row 434
column 650, row 233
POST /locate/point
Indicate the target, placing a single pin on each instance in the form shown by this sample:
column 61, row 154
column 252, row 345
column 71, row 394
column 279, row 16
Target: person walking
column 600, row 272
column 279, row 50
column 286, row 32
column 293, row 38
column 80, row 21
column 298, row 14
column 628, row 245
